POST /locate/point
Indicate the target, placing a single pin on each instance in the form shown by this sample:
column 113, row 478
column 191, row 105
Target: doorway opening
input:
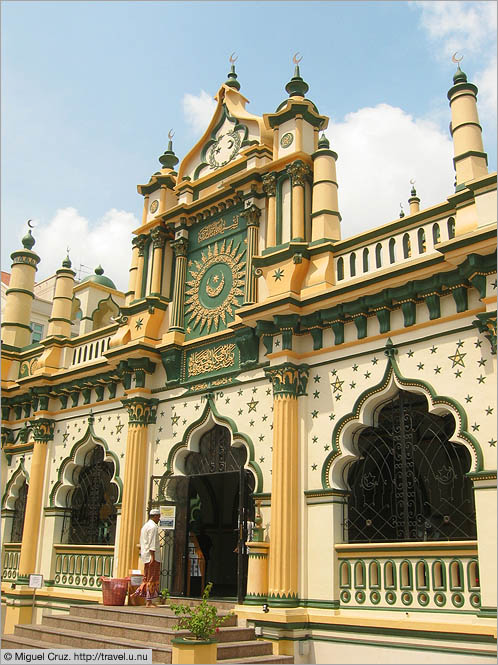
column 214, row 508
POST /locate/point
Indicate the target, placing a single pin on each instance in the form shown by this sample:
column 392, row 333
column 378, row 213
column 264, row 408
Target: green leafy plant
column 164, row 595
column 201, row 620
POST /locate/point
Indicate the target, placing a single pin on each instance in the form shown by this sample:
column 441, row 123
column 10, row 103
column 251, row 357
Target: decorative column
column 414, row 201
column 270, row 189
column 158, row 235
column 140, row 242
column 16, row 328
column 325, row 216
column 59, row 322
column 289, row 382
column 180, row 247
column 298, row 172
column 252, row 215
column 130, row 294
column 141, row 413
column 43, row 432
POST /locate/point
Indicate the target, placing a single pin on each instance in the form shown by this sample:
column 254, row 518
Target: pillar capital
column 43, row 429
column 298, row 172
column 252, row 215
column 141, row 411
column 158, row 235
column 288, row 379
column 180, row 246
column 140, row 242
column 270, row 184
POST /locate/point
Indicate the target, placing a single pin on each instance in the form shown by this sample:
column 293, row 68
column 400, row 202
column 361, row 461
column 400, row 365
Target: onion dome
column 67, row 262
column 28, row 241
column 459, row 76
column 323, row 142
column 99, row 278
column 231, row 81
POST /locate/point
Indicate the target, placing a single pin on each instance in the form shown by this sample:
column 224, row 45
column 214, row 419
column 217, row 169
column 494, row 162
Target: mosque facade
column 319, row 410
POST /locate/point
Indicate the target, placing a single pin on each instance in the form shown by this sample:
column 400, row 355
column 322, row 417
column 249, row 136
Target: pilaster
column 140, row 242
column 252, row 215
column 158, row 235
column 141, row 413
column 180, row 246
column 270, row 189
column 298, row 172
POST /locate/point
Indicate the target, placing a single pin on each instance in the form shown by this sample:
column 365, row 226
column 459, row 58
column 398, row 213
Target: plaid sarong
column 149, row 588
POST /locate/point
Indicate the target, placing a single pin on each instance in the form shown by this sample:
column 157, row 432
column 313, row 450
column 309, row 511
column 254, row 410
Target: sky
column 90, row 91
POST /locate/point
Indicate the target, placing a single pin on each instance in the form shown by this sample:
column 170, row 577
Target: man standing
column 150, row 555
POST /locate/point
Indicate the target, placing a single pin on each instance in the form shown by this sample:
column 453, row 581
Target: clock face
column 224, row 149
column 154, row 206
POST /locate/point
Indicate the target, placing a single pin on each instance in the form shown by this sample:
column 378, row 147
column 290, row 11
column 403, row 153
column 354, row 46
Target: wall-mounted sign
column 35, row 581
column 167, row 517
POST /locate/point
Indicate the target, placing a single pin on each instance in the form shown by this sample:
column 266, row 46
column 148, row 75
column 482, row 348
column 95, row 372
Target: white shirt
column 149, row 540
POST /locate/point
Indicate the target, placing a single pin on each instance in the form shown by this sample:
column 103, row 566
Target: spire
column 414, row 201
column 168, row 159
column 297, row 87
column 401, row 211
column 323, row 142
column 231, row 81
column 67, row 261
column 28, row 241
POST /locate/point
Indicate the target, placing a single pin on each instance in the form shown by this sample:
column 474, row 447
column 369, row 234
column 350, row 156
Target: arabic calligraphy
column 209, row 360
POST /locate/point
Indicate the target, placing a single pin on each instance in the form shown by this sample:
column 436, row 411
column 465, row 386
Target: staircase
column 110, row 627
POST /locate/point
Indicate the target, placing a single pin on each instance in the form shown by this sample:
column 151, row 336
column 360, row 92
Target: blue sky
column 91, row 89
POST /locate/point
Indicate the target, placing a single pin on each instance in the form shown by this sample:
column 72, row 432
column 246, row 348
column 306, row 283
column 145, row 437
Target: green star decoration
column 268, row 391
column 337, row 385
column 457, row 358
column 65, row 436
column 420, row 366
column 475, row 427
column 261, row 437
column 317, row 378
column 410, row 353
column 352, row 384
column 334, row 372
column 482, row 362
column 264, row 418
column 489, row 411
column 251, row 423
column 252, row 405
column 174, row 419
column 157, row 460
column 139, row 323
column 478, row 344
column 197, row 407
column 367, row 375
column 316, row 394
column 278, row 274
column 437, row 370
column 240, row 412
column 481, row 379
column 313, row 467
column 239, row 393
column 469, row 398
column 375, row 360
column 314, row 439
column 326, row 447
column 314, row 414
column 493, row 284
column 458, row 373
column 355, row 367
column 338, row 396
column 433, row 349
column 492, row 443
column 261, row 459
column 460, row 343
column 227, row 400
column 332, row 416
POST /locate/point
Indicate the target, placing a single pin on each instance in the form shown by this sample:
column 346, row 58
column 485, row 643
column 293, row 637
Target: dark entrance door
column 214, row 502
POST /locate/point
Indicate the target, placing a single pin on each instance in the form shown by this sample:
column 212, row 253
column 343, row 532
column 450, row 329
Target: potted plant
column 163, row 596
column 203, row 623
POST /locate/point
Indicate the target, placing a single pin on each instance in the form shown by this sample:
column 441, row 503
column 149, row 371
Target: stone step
column 245, row 649
column 160, row 616
column 222, row 604
column 142, row 632
column 263, row 659
column 59, row 638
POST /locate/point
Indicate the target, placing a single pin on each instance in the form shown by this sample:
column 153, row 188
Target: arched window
column 421, row 241
column 19, row 511
column 92, row 510
column 352, row 264
column 409, row 482
column 436, row 234
column 392, row 250
column 378, row 255
column 451, row 228
column 365, row 260
column 340, row 268
column 407, row 248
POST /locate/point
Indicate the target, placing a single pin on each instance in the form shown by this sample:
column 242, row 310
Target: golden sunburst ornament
column 215, row 285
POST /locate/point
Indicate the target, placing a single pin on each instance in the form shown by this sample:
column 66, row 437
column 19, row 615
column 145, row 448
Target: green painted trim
column 224, row 420
column 21, row 470
column 16, row 290
column 326, row 211
column 293, row 108
column 347, row 566
column 392, row 370
column 443, row 585
column 17, row 325
column 323, row 151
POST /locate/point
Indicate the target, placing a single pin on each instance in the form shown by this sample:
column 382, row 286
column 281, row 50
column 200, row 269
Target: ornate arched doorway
column 212, row 500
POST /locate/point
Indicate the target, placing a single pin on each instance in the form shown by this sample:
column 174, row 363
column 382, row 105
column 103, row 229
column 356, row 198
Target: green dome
column 28, row 241
column 323, row 142
column 231, row 81
column 459, row 76
column 297, row 87
column 99, row 278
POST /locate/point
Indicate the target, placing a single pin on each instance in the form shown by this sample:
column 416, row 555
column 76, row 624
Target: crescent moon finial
column 31, row 226
column 232, row 59
column 412, row 181
column 295, row 59
column 171, row 133
column 455, row 59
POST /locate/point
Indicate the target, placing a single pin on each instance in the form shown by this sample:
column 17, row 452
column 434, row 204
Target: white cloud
column 380, row 149
column 107, row 241
column 198, row 110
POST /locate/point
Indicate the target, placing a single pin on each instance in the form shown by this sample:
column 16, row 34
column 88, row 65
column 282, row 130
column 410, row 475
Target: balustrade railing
column 81, row 566
column 10, row 561
column 419, row 575
column 90, row 351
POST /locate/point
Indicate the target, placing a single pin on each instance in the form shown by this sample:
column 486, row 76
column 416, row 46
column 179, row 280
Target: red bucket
column 114, row 590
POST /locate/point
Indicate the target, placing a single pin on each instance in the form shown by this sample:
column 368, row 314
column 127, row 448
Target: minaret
column 414, row 201
column 470, row 160
column 59, row 323
column 325, row 216
column 16, row 329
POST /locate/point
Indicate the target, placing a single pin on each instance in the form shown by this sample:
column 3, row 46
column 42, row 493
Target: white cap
column 155, row 511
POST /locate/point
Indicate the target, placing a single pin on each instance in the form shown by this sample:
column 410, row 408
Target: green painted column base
column 283, row 601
